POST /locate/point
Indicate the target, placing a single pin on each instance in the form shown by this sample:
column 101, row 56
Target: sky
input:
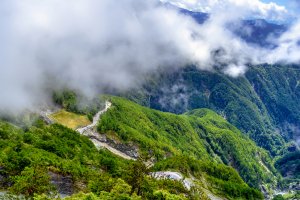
column 89, row 45
column 279, row 2
column 290, row 5
column 272, row 10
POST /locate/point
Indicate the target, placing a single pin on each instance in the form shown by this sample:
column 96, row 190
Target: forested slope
column 200, row 134
column 197, row 144
column 263, row 104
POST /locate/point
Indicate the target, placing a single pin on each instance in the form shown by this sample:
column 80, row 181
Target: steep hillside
column 49, row 158
column 278, row 87
column 263, row 104
column 200, row 134
column 289, row 166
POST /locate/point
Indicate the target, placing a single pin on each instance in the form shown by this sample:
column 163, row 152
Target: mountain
column 263, row 104
column 289, row 166
column 198, row 16
column 200, row 134
column 253, row 31
column 199, row 144
column 135, row 100
column 258, row 32
column 214, row 156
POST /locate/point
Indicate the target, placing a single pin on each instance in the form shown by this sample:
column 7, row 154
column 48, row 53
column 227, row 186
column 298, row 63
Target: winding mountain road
column 96, row 118
column 97, row 139
column 90, row 132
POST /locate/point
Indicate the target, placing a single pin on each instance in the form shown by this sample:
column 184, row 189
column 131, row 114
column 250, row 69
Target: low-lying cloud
column 288, row 46
column 91, row 44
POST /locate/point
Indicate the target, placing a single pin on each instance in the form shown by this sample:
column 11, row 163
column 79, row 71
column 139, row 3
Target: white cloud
column 249, row 8
column 90, row 44
column 235, row 71
column 288, row 50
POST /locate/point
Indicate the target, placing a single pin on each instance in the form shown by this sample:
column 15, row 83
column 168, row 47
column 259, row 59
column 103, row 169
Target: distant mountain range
column 254, row 31
column 223, row 138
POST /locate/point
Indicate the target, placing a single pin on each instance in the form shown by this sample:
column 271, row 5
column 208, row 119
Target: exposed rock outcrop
column 101, row 141
column 63, row 184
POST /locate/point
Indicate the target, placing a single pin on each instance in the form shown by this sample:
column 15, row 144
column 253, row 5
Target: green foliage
column 289, row 164
column 188, row 165
column 260, row 103
column 31, row 181
column 137, row 176
column 278, row 197
column 26, row 158
column 154, row 131
column 8, row 131
column 121, row 190
column 233, row 147
column 200, row 134
column 103, row 183
column 117, row 194
column 66, row 98
column 165, row 195
column 278, row 87
column 223, row 178
column 74, row 101
column 197, row 143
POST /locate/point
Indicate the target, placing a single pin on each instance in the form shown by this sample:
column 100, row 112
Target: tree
column 278, row 197
column 137, row 173
column 120, row 191
column 165, row 195
column 32, row 180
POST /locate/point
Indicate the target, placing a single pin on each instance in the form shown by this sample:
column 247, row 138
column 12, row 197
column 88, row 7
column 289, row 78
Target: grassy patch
column 70, row 120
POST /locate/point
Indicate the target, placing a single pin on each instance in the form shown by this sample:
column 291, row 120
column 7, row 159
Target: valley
column 200, row 150
column 150, row 100
column 171, row 152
